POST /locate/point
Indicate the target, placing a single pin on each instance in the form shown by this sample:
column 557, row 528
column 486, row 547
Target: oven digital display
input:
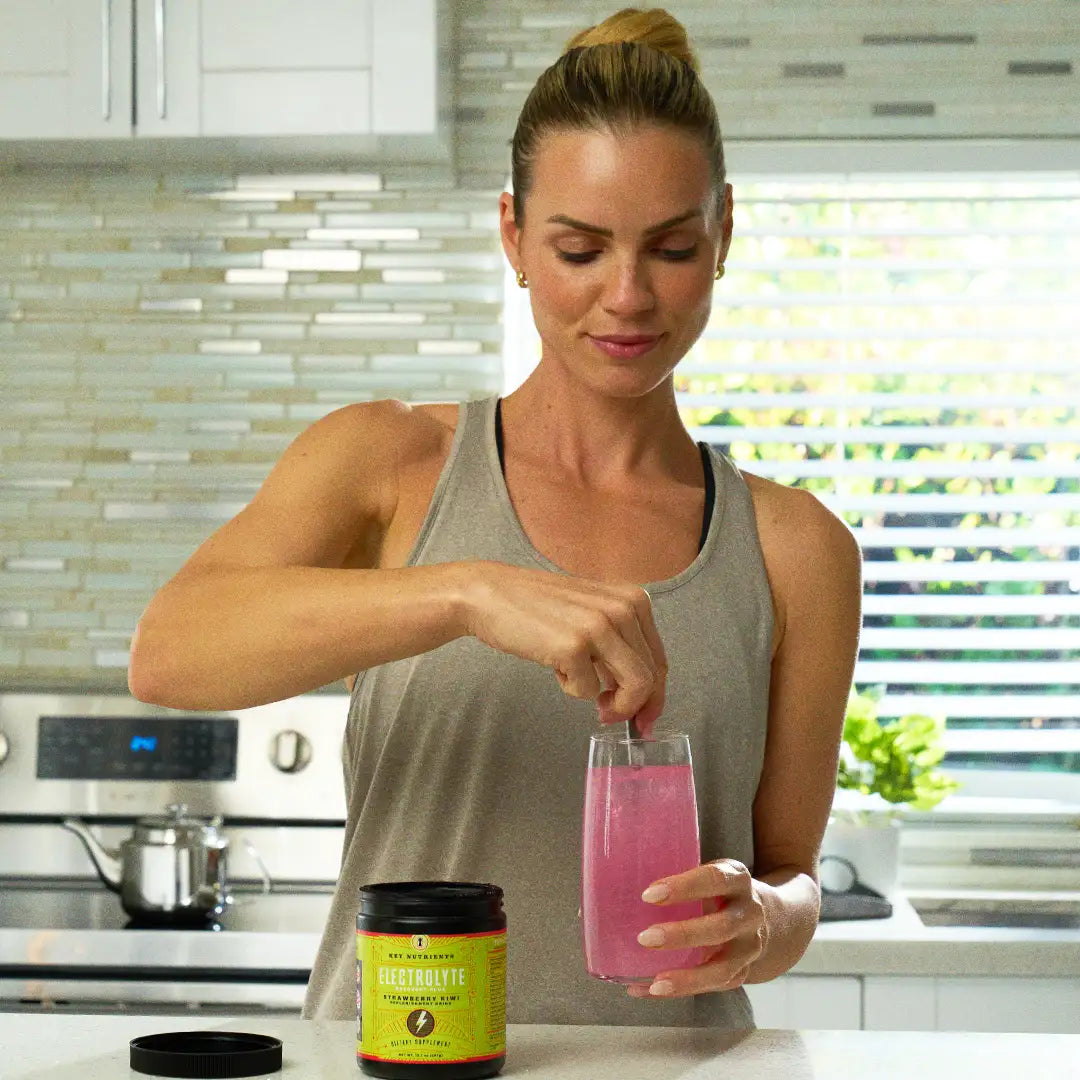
column 136, row 748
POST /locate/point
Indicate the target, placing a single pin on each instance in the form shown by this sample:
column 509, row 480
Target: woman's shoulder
column 385, row 432
column 781, row 509
column 364, row 457
column 385, row 416
column 803, row 543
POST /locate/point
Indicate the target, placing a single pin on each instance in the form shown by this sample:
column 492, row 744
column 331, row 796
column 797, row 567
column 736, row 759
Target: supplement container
column 431, row 980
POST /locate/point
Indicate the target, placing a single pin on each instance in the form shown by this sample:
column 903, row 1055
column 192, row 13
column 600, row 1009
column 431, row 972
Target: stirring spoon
column 632, row 732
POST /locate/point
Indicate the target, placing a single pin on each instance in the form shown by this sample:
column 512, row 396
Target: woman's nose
column 628, row 290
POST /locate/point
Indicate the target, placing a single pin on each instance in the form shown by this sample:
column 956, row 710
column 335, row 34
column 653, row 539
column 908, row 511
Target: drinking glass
column 640, row 824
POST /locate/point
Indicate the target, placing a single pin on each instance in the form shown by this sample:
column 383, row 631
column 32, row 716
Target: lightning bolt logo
column 420, row 1023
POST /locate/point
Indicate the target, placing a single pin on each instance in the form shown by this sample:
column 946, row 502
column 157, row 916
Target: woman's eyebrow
column 663, row 226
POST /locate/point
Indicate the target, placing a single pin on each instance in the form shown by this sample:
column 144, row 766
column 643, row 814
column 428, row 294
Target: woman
column 482, row 568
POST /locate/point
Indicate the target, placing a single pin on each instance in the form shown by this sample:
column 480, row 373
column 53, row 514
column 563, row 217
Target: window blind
column 907, row 349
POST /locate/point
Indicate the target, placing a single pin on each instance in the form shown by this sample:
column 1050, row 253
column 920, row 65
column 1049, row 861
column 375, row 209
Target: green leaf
column 895, row 760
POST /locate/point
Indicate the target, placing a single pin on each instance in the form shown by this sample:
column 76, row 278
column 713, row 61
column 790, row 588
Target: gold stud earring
column 719, row 271
column 522, row 280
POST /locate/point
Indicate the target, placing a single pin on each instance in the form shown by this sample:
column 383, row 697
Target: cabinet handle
column 106, row 59
column 159, row 36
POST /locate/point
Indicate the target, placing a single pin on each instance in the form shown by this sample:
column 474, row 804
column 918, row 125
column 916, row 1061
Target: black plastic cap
column 205, row 1054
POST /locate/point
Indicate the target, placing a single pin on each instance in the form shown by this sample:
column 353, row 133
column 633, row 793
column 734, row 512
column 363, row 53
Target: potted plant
column 883, row 769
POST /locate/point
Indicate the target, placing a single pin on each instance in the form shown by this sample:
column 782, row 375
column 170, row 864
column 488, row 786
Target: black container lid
column 205, row 1054
column 417, row 898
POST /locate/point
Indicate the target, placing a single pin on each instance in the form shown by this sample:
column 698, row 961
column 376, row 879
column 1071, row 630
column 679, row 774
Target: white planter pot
column 872, row 848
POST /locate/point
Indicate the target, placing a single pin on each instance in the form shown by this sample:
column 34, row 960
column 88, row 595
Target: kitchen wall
column 805, row 69
column 164, row 336
column 163, row 344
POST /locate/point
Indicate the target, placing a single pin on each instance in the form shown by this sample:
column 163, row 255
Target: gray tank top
column 467, row 764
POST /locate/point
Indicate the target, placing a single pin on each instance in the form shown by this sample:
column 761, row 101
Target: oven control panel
column 109, row 755
column 136, row 748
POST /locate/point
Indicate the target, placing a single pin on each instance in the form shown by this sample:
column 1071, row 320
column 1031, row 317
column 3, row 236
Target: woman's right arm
column 285, row 597
column 270, row 605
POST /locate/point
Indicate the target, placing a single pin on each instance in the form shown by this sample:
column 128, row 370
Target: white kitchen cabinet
column 405, row 66
column 217, row 68
column 276, row 67
column 972, row 1004
column 65, row 69
column 899, row 1003
column 807, row 1002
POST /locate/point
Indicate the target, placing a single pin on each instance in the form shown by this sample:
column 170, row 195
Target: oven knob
column 5, row 748
column 290, row 751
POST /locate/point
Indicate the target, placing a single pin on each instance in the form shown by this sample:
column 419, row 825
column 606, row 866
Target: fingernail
column 655, row 893
column 651, row 937
column 661, row 988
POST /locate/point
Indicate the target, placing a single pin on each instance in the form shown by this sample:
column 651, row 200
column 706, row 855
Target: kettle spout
column 106, row 861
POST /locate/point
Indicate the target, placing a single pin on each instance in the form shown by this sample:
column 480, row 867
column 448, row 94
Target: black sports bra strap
column 710, row 493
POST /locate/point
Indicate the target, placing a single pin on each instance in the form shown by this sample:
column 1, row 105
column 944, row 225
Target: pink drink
column 640, row 824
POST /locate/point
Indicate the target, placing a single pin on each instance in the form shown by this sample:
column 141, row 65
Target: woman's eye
column 670, row 254
column 678, row 254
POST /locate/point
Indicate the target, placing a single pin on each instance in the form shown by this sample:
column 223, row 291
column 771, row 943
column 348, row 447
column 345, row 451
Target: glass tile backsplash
column 160, row 347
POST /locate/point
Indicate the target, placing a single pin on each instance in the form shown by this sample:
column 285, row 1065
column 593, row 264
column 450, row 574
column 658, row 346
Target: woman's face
column 620, row 244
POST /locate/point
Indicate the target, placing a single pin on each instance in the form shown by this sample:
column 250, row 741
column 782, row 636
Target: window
column 909, row 350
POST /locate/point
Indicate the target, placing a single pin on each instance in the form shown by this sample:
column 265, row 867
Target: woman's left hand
column 734, row 931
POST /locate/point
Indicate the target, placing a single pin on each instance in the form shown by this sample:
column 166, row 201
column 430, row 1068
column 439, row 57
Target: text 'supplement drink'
column 640, row 824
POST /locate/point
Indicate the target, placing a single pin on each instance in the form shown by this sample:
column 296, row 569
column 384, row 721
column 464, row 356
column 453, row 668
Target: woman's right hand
column 599, row 639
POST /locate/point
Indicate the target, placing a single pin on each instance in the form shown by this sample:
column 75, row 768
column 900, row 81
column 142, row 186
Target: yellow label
column 438, row 998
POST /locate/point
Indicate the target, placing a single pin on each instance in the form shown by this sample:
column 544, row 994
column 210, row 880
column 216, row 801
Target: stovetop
column 80, row 926
column 78, row 905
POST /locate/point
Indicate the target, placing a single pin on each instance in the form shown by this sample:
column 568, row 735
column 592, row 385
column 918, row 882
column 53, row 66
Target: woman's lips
column 625, row 346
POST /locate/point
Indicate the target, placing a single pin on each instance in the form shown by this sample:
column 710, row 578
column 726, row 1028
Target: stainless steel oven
column 272, row 774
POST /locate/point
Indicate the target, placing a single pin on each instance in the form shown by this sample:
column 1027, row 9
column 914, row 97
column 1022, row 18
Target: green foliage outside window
column 958, row 309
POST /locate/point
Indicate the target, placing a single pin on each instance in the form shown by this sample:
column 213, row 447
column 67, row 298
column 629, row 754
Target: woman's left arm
column 757, row 927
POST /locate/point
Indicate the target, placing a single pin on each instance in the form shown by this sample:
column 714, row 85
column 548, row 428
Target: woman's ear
column 509, row 231
column 727, row 213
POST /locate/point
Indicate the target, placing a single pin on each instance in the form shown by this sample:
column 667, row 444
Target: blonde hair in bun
column 655, row 28
column 634, row 68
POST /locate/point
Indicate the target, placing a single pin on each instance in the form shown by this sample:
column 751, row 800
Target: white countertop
column 903, row 945
column 900, row 945
column 55, row 1047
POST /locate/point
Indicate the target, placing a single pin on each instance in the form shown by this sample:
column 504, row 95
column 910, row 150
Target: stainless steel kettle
column 171, row 870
